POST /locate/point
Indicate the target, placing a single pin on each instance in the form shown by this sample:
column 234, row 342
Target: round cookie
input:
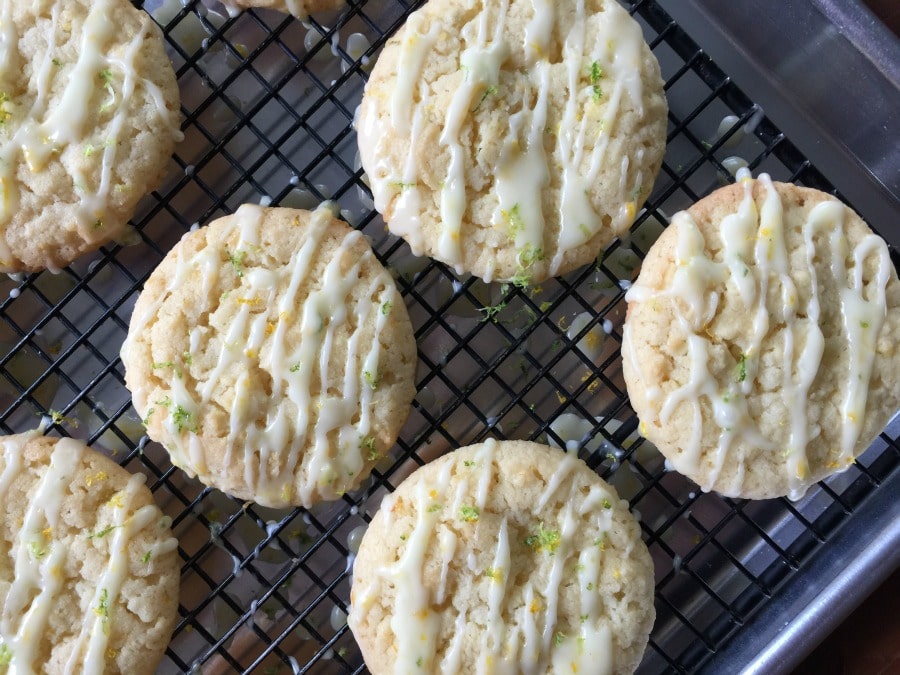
column 513, row 140
column 298, row 8
column 88, row 120
column 89, row 570
column 272, row 356
column 759, row 348
column 503, row 556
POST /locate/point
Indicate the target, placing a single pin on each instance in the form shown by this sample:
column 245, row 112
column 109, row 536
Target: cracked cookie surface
column 89, row 117
column 759, row 347
column 505, row 556
column 513, row 140
column 89, row 569
column 271, row 354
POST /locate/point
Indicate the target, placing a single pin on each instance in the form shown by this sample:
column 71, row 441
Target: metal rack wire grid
column 268, row 104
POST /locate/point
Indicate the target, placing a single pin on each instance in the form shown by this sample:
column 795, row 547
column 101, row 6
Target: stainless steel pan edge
column 834, row 582
column 828, row 74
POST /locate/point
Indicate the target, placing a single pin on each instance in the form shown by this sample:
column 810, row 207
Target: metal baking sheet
column 268, row 103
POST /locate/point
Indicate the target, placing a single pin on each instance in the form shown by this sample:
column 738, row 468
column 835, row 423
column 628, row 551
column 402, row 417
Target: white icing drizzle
column 530, row 653
column 771, row 224
column 34, row 587
column 96, row 629
column 522, row 176
column 447, row 547
column 268, row 434
column 864, row 310
column 622, row 40
column 591, row 649
column 453, row 657
column 12, row 460
column 9, row 55
column 66, row 121
column 616, row 51
column 566, row 466
column 523, row 171
column 539, row 30
column 414, row 49
column 554, row 580
column 578, row 220
column 92, row 206
column 528, row 641
column 588, row 652
column 42, row 132
column 481, row 62
column 417, row 626
column 754, row 257
column 652, row 392
column 486, row 459
column 493, row 636
column 408, row 208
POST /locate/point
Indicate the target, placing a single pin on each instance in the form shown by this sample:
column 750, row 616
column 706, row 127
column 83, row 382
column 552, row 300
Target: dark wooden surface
column 888, row 11
column 867, row 643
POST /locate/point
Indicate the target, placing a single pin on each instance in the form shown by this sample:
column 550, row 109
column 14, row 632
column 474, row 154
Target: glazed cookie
column 503, row 557
column 89, row 570
column 760, row 347
column 513, row 140
column 88, row 120
column 272, row 356
column 298, row 8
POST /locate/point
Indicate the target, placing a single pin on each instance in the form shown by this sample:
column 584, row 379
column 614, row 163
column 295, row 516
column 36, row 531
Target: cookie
column 89, row 570
column 760, row 347
column 513, row 140
column 298, row 8
column 272, row 356
column 88, row 120
column 502, row 557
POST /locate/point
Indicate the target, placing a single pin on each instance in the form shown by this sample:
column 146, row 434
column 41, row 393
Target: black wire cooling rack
column 268, row 104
